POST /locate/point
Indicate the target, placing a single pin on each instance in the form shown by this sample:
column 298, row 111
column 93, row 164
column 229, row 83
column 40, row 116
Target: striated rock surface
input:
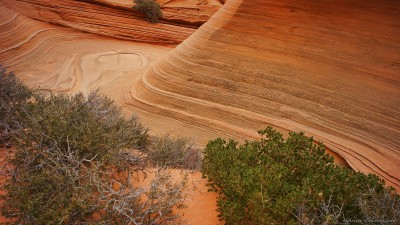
column 329, row 68
column 116, row 18
column 61, row 59
column 194, row 12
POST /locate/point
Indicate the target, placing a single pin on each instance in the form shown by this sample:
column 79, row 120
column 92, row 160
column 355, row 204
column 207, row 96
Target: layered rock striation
column 55, row 58
column 116, row 18
column 329, row 68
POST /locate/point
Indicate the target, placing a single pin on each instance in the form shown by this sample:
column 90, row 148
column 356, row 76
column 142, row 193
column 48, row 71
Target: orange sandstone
column 329, row 68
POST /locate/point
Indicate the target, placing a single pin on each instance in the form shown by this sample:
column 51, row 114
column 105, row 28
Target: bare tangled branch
column 326, row 213
column 382, row 208
column 175, row 152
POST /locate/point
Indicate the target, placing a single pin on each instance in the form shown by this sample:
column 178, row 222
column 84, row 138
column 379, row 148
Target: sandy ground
column 201, row 204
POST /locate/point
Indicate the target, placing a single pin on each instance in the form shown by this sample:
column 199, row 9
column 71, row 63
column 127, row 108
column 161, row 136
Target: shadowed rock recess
column 329, row 68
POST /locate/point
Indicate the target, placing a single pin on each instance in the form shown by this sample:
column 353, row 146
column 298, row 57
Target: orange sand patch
column 201, row 204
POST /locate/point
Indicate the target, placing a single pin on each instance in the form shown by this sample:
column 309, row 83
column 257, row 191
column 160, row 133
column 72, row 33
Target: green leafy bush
column 72, row 163
column 150, row 8
column 287, row 181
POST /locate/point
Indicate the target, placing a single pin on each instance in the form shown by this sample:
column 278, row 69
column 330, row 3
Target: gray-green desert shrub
column 13, row 98
column 167, row 151
column 72, row 162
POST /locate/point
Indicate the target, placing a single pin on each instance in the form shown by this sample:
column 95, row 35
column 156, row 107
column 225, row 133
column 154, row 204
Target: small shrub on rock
column 150, row 8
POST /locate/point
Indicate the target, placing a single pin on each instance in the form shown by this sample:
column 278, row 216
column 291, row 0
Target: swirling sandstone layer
column 329, row 68
column 61, row 59
column 115, row 18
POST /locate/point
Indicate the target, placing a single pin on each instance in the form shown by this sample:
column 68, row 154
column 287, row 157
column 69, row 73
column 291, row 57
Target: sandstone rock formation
column 61, row 59
column 116, row 18
column 329, row 68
